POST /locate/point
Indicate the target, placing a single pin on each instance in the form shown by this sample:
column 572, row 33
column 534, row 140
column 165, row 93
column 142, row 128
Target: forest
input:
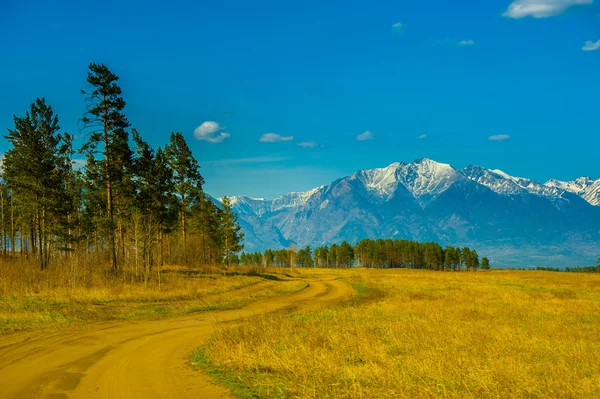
column 134, row 207
column 129, row 205
column 380, row 253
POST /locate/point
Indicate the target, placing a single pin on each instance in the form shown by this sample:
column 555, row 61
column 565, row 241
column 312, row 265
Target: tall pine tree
column 36, row 171
column 107, row 125
column 231, row 231
column 186, row 178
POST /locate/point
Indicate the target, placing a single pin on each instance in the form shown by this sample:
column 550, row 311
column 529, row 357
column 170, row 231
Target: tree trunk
column 40, row 238
column 183, row 238
column 226, row 251
column 122, row 241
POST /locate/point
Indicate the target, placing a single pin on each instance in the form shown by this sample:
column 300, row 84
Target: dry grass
column 421, row 334
column 59, row 297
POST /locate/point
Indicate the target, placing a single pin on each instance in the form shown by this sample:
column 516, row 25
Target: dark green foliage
column 186, row 179
column 106, row 126
column 133, row 206
column 584, row 269
column 304, row 257
column 378, row 253
column 230, row 231
column 469, row 258
column 485, row 263
column 37, row 170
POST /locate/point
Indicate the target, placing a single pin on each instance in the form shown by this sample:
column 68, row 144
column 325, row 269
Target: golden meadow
column 80, row 291
column 424, row 334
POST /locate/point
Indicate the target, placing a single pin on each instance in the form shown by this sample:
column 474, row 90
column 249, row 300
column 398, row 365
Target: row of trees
column 129, row 203
column 378, row 253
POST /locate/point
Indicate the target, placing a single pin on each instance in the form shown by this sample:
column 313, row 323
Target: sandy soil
column 135, row 360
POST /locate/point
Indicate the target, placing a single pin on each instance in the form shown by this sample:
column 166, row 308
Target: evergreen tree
column 232, row 236
column 205, row 221
column 485, row 263
column 382, row 253
column 154, row 200
column 106, row 125
column 187, row 180
column 305, row 257
column 36, row 170
column 345, row 254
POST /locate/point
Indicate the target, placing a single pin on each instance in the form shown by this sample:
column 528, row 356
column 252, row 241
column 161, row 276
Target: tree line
column 128, row 203
column 380, row 253
column 580, row 269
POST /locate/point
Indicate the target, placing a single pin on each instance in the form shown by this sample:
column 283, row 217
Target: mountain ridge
column 519, row 220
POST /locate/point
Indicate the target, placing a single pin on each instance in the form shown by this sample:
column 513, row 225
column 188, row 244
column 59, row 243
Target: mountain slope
column 585, row 187
column 516, row 220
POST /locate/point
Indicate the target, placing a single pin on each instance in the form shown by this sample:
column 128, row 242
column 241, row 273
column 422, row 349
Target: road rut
column 136, row 360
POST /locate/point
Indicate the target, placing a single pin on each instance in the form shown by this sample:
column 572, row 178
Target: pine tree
column 106, row 124
column 231, row 231
column 154, row 203
column 187, row 180
column 205, row 221
column 485, row 263
column 345, row 254
column 305, row 257
column 35, row 170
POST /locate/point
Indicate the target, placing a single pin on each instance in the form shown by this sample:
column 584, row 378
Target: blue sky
column 430, row 79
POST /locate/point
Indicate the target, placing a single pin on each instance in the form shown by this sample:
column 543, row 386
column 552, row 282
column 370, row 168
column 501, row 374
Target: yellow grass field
column 34, row 300
column 423, row 334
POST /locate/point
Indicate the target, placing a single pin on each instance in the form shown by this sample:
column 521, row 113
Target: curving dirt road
column 135, row 360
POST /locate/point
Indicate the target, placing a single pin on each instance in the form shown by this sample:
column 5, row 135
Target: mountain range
column 516, row 222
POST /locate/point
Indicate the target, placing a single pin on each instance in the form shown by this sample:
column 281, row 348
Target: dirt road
column 135, row 360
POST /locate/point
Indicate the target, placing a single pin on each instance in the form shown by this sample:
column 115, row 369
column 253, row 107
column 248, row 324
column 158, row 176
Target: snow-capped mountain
column 585, row 187
column 515, row 220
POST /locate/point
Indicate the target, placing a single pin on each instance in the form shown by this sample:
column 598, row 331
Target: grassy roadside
column 421, row 334
column 181, row 293
column 237, row 382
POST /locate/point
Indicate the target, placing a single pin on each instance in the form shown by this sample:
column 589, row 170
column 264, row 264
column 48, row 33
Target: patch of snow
column 585, row 187
column 503, row 183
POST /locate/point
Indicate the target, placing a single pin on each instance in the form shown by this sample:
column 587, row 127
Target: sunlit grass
column 426, row 334
column 181, row 291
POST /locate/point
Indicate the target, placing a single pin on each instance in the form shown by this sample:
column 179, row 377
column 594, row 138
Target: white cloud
column 397, row 26
column 591, row 46
column 421, row 137
column 308, row 144
column 207, row 128
column 218, row 138
column 540, row 8
column 365, row 136
column 499, row 137
column 274, row 138
column 210, row 132
column 452, row 42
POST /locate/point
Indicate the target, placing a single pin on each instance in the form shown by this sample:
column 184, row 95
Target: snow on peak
column 381, row 181
column 424, row 179
column 421, row 177
column 425, row 176
column 585, row 187
column 577, row 186
column 294, row 199
column 503, row 174
column 503, row 183
column 592, row 193
column 248, row 205
column 496, row 180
